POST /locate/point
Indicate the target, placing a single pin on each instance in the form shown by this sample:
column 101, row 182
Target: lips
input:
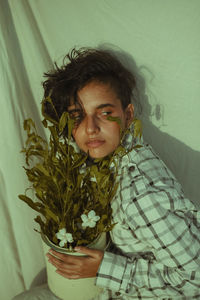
column 94, row 143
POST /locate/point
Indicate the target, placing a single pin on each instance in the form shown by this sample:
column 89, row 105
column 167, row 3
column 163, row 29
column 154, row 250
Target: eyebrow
column 98, row 107
column 74, row 110
column 105, row 105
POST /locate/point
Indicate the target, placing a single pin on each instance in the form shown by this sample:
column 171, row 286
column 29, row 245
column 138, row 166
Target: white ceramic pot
column 71, row 289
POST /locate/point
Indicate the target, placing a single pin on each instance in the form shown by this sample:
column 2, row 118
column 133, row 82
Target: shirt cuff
column 111, row 271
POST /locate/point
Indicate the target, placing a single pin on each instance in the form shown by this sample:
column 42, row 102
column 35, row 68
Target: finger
column 71, row 275
column 89, row 252
column 68, row 259
column 54, row 260
column 60, row 256
column 63, row 265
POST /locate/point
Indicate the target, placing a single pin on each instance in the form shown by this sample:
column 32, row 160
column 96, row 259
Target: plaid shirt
column 156, row 241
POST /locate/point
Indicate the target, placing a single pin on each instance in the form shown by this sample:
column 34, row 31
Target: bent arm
column 172, row 235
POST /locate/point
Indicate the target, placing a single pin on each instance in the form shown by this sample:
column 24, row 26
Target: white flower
column 64, row 237
column 93, row 179
column 90, row 219
column 82, row 169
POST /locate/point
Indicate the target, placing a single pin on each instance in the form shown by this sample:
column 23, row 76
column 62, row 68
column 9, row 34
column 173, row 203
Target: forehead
column 95, row 95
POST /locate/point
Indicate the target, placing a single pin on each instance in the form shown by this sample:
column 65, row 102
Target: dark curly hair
column 81, row 67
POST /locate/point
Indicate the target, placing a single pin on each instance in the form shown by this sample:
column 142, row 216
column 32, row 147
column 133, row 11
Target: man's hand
column 75, row 267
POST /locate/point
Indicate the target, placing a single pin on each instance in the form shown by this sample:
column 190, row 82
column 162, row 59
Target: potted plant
column 73, row 194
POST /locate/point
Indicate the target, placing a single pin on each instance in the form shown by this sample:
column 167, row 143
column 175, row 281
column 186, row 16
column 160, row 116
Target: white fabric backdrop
column 162, row 37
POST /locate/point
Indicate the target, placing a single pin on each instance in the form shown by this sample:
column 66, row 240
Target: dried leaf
column 34, row 205
column 63, row 121
column 137, row 128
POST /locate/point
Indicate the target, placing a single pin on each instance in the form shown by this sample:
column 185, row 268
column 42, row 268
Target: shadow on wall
column 183, row 161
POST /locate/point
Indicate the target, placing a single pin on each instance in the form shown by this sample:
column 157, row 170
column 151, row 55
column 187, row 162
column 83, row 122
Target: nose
column 91, row 125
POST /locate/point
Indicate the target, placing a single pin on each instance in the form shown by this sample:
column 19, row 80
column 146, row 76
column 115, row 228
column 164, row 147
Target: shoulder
column 145, row 162
column 148, row 191
column 145, row 179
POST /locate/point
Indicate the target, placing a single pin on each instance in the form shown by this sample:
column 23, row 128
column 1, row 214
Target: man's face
column 93, row 133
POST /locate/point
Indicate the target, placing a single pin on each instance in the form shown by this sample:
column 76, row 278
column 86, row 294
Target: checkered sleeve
column 166, row 223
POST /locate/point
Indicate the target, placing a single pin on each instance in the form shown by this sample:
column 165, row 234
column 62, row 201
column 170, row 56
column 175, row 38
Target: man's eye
column 76, row 117
column 106, row 113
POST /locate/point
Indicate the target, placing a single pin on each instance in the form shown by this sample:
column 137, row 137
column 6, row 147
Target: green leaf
column 137, row 128
column 79, row 162
column 42, row 169
column 70, row 127
column 50, row 214
column 63, row 121
column 115, row 119
column 44, row 122
column 34, row 205
column 46, row 116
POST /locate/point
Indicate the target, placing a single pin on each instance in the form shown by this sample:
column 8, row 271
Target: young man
column 156, row 245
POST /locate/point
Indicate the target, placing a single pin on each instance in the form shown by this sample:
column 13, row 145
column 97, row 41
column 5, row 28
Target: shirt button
column 131, row 169
column 117, row 293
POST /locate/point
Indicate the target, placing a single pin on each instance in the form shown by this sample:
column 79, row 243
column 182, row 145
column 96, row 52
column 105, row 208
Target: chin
column 99, row 155
column 96, row 156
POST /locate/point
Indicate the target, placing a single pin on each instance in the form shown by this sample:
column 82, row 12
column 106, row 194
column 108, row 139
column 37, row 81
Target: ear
column 129, row 114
